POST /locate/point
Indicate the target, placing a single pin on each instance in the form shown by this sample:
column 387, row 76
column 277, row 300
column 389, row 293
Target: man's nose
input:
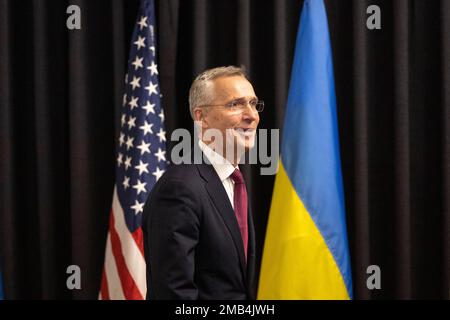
column 250, row 113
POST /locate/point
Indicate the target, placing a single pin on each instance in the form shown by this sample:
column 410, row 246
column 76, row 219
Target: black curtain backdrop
column 60, row 99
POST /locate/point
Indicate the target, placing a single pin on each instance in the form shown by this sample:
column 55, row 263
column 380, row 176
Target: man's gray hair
column 199, row 93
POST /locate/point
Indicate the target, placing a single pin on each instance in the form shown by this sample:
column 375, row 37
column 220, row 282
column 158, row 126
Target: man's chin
column 246, row 143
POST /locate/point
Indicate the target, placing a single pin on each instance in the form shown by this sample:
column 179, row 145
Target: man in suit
column 198, row 228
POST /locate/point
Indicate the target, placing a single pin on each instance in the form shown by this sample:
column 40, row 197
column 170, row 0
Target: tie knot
column 237, row 177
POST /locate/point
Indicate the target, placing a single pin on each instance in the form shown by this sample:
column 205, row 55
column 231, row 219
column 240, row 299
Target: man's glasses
column 239, row 105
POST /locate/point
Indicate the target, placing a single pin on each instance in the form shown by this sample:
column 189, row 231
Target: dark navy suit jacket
column 193, row 246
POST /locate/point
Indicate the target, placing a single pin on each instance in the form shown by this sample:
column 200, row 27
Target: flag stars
column 137, row 63
column 158, row 173
column 144, row 147
column 149, row 108
column 138, row 207
column 153, row 68
column 135, row 83
column 126, row 182
column 142, row 167
column 147, row 127
column 141, row 133
column 142, row 23
column 140, row 186
column 140, row 42
column 131, row 122
column 129, row 142
column 162, row 135
column 133, row 102
column 151, row 88
column 121, row 139
column 119, row 159
column 127, row 163
column 161, row 155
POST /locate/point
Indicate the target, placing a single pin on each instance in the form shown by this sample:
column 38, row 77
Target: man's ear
column 199, row 115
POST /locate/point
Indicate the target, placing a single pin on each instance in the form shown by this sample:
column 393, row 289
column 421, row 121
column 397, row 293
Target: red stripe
column 139, row 239
column 129, row 287
column 104, row 287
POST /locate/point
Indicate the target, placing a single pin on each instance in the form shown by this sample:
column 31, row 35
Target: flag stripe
column 308, row 208
column 104, row 292
column 130, row 289
column 310, row 145
column 139, row 240
column 135, row 260
column 112, row 275
column 294, row 242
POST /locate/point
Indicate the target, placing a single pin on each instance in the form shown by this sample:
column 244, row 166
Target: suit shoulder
column 177, row 179
column 187, row 174
column 181, row 172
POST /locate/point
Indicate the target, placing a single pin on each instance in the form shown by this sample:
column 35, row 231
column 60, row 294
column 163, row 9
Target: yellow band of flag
column 308, row 270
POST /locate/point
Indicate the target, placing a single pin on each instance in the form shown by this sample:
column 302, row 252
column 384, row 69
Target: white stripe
column 134, row 259
column 112, row 275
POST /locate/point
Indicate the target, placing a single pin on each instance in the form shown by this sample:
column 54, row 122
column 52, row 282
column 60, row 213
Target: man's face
column 242, row 123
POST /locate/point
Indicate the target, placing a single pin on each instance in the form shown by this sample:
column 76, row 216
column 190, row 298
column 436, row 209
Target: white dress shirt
column 223, row 167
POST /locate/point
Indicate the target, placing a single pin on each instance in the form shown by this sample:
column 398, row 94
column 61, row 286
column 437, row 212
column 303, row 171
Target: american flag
column 141, row 160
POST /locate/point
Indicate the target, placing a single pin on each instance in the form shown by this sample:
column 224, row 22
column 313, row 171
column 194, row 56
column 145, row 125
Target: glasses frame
column 259, row 105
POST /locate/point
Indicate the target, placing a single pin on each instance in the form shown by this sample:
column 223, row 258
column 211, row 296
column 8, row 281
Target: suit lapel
column 222, row 203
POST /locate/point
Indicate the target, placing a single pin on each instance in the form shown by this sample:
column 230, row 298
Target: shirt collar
column 223, row 167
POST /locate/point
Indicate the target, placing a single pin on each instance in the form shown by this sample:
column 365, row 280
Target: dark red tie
column 240, row 206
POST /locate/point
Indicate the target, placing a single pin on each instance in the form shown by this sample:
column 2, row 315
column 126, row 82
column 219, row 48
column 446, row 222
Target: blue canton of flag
column 141, row 161
column 141, row 156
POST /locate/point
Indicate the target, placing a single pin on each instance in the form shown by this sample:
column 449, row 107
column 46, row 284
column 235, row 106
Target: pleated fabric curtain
column 60, row 100
column 60, row 92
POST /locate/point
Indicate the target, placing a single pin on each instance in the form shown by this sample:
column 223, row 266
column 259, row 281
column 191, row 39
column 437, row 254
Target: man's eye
column 253, row 103
column 235, row 104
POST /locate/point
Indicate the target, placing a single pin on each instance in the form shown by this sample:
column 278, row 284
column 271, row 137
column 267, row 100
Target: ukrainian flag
column 306, row 252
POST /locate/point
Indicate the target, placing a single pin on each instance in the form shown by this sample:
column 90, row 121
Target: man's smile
column 246, row 132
